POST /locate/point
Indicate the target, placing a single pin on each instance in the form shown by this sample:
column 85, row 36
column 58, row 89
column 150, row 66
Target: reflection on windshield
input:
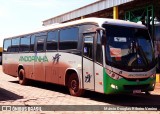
column 128, row 47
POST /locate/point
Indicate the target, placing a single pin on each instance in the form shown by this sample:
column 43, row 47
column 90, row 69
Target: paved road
column 36, row 93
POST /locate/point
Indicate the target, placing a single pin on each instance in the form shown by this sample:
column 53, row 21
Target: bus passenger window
column 7, row 46
column 25, row 44
column 52, row 40
column 40, row 43
column 15, row 45
column 68, row 38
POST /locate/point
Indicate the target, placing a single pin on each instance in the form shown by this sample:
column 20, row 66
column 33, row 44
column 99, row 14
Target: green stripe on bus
column 104, row 80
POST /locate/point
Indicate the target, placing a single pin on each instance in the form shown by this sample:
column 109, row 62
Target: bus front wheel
column 21, row 77
column 73, row 85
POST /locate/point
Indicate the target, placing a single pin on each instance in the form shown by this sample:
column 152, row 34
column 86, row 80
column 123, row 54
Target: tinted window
column 15, row 45
column 132, row 50
column 157, row 32
column 7, row 46
column 40, row 43
column 32, row 43
column 68, row 38
column 52, row 40
column 88, row 46
column 25, row 44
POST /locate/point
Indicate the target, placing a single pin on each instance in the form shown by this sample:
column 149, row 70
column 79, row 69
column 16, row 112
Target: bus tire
column 73, row 85
column 21, row 77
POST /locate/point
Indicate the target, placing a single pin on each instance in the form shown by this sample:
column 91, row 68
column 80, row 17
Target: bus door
column 88, row 61
column 98, row 64
column 40, row 58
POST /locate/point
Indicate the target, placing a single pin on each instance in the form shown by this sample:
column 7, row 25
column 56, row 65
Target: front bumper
column 112, row 86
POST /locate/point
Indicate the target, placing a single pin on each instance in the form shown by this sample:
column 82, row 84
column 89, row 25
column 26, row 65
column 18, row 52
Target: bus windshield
column 129, row 48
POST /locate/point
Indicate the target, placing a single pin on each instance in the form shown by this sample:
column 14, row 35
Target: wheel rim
column 74, row 85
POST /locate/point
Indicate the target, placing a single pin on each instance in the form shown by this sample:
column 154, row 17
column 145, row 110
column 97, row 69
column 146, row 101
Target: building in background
column 145, row 12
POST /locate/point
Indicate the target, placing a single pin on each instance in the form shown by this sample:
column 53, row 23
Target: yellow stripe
column 115, row 12
column 157, row 78
column 1, row 49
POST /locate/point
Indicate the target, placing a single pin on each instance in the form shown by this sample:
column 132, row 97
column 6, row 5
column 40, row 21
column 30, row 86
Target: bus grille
column 134, row 79
column 136, row 87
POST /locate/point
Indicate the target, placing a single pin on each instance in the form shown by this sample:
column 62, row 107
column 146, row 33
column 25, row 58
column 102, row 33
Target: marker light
column 153, row 85
column 153, row 76
column 116, row 76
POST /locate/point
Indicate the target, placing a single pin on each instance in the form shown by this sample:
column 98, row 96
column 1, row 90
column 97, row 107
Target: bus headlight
column 114, row 86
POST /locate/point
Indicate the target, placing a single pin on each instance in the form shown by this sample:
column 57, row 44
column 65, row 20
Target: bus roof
column 98, row 21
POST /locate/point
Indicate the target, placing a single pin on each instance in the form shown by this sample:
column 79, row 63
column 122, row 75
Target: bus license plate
column 136, row 91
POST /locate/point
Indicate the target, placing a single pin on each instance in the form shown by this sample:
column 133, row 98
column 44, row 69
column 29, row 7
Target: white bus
column 157, row 44
column 103, row 55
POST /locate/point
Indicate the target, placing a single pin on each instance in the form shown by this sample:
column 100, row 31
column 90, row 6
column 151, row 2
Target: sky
column 20, row 16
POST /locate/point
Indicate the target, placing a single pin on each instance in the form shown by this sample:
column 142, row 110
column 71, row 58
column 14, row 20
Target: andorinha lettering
column 33, row 58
